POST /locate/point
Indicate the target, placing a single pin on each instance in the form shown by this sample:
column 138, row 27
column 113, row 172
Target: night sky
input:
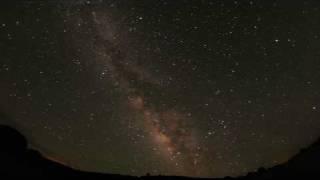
column 172, row 87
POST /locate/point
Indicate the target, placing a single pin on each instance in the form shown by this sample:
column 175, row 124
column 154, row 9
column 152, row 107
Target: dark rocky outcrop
column 16, row 160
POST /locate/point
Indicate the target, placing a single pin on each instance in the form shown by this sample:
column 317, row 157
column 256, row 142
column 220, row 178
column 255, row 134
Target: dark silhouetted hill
column 17, row 160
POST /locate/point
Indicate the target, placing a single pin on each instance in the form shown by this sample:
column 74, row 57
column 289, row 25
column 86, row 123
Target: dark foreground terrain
column 17, row 160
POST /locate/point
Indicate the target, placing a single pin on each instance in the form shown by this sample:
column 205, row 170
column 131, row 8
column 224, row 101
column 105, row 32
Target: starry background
column 193, row 88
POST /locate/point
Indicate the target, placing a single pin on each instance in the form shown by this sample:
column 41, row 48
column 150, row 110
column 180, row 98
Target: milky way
column 191, row 88
column 168, row 129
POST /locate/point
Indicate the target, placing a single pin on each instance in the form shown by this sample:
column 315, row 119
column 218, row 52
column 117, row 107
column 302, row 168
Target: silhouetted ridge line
column 17, row 160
